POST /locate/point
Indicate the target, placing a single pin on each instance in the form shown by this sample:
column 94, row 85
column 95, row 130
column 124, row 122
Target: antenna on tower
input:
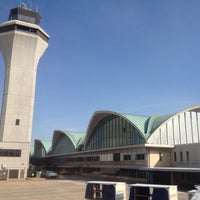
column 23, row 5
column 31, row 4
column 19, row 3
column 37, row 8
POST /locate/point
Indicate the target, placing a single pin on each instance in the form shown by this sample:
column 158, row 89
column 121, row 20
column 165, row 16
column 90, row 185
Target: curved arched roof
column 73, row 138
column 147, row 126
column 41, row 146
column 138, row 120
column 164, row 119
column 144, row 124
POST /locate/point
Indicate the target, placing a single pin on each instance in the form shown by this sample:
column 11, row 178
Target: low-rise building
column 153, row 149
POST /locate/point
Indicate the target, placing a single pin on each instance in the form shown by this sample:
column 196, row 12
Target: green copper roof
column 158, row 120
column 76, row 137
column 46, row 144
column 138, row 120
column 145, row 124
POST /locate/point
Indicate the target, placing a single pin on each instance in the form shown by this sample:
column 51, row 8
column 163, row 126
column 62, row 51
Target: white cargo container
column 153, row 191
column 105, row 190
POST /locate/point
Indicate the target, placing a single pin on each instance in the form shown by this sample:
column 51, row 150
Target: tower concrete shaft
column 21, row 51
column 22, row 43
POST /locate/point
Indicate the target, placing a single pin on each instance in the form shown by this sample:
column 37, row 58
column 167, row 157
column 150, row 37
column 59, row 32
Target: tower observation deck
column 24, row 19
column 24, row 14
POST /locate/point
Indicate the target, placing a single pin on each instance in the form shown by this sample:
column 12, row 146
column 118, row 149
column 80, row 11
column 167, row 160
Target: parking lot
column 44, row 189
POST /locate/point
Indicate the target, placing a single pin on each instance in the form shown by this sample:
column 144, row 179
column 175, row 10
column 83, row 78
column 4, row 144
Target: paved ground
column 42, row 189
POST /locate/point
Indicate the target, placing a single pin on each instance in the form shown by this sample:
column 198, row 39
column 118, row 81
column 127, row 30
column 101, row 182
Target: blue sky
column 128, row 56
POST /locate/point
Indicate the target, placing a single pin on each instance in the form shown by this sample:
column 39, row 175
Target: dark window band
column 25, row 29
column 10, row 152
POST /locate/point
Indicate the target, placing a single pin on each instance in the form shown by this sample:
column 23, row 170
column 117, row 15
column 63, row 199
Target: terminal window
column 140, row 156
column 160, row 156
column 175, row 156
column 127, row 157
column 181, row 156
column 116, row 157
column 187, row 155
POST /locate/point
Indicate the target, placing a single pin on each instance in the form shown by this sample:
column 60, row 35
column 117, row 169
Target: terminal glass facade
column 114, row 131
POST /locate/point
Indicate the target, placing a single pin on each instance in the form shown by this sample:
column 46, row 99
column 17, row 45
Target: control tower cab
column 25, row 14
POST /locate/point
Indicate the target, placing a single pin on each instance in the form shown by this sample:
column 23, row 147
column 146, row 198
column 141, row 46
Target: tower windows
column 10, row 152
column 17, row 122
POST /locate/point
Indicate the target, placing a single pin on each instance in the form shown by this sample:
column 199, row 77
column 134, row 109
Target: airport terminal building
column 148, row 149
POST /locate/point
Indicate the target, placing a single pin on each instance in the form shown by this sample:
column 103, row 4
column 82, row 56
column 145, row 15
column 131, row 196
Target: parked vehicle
column 48, row 174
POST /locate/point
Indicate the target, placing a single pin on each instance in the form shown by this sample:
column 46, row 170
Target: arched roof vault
column 74, row 137
column 136, row 120
column 194, row 108
column 41, row 145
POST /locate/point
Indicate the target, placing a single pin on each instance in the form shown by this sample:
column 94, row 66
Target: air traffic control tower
column 22, row 43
